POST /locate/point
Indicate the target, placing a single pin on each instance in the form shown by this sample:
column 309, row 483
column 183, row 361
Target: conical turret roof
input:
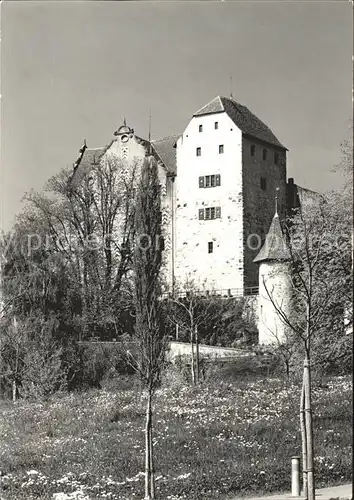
column 275, row 247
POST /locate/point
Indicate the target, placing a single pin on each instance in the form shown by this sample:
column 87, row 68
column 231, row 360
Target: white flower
column 184, row 476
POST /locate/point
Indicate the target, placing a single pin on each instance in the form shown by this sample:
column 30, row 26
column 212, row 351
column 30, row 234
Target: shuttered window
column 210, row 213
column 207, row 181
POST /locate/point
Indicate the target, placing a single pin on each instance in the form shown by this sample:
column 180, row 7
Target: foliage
column 31, row 358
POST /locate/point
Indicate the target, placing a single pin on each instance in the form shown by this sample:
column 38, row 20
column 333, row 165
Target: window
column 210, row 213
column 253, row 149
column 200, row 128
column 276, row 158
column 264, row 154
column 199, row 151
column 221, row 149
column 263, row 183
column 210, row 247
column 207, row 181
column 216, row 125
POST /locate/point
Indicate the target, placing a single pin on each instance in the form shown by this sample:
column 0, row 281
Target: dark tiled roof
column 165, row 149
column 162, row 149
column 214, row 106
column 308, row 196
column 275, row 247
column 247, row 122
column 84, row 164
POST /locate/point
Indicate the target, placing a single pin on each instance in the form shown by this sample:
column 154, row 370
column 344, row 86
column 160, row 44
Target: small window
column 218, row 179
column 200, row 128
column 264, row 154
column 201, row 214
column 201, row 182
column 216, row 125
column 212, row 181
column 212, row 213
column 207, row 181
column 221, row 149
column 210, row 247
column 199, row 151
column 253, row 150
column 218, row 212
column 263, row 183
column 207, row 214
column 276, row 158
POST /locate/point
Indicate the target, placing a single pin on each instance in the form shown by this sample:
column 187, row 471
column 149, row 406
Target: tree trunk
column 14, row 391
column 152, row 467
column 15, row 374
column 197, row 369
column 287, row 368
column 309, row 430
column 148, row 451
column 303, row 440
column 192, row 360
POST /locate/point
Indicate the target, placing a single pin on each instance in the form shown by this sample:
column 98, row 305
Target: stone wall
column 223, row 268
column 274, row 277
column 205, row 351
column 259, row 204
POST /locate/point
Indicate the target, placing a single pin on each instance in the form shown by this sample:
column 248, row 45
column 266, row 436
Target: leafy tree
column 149, row 324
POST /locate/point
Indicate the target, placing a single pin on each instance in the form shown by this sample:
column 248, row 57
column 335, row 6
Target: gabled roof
column 162, row 149
column 275, row 247
column 166, row 150
column 245, row 120
column 86, row 161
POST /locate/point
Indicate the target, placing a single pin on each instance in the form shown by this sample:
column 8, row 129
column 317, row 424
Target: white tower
column 275, row 289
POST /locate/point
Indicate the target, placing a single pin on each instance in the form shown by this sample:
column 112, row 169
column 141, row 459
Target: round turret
column 275, row 290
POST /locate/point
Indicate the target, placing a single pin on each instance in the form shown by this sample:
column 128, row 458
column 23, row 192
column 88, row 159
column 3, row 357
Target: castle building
column 275, row 287
column 218, row 181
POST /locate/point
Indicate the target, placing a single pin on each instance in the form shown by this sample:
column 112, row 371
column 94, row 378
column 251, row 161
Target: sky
column 73, row 70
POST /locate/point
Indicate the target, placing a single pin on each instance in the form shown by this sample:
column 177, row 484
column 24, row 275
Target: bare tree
column 88, row 220
column 191, row 307
column 319, row 280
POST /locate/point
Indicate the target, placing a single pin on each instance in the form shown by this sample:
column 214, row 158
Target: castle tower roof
column 275, row 247
column 245, row 120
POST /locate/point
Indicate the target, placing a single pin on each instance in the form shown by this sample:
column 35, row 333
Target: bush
column 92, row 364
column 31, row 358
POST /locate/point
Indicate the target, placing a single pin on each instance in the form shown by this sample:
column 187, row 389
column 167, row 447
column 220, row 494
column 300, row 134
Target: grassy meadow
column 216, row 441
